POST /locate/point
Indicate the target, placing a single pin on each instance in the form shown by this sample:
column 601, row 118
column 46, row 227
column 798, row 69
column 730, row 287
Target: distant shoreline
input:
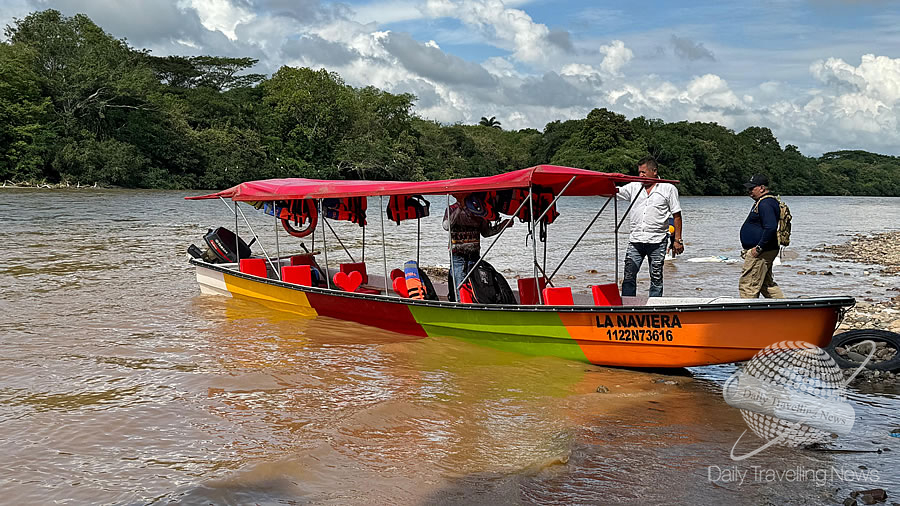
column 49, row 186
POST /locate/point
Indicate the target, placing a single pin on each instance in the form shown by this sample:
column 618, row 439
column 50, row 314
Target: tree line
column 78, row 105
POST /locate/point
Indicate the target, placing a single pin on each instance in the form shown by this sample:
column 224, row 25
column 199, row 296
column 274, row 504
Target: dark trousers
column 634, row 257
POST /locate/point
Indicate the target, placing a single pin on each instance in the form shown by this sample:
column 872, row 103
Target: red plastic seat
column 558, row 296
column 466, row 296
column 528, row 292
column 254, row 267
column 397, row 273
column 606, row 295
column 297, row 274
column 359, row 267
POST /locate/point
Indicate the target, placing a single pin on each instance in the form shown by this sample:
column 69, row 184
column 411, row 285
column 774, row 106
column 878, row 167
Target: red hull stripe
column 384, row 315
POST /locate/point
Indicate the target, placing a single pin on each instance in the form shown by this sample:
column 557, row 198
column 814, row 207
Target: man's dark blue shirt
column 761, row 226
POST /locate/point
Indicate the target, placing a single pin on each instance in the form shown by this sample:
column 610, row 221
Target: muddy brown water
column 121, row 384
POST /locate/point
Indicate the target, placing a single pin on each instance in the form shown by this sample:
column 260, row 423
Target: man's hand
column 754, row 253
column 678, row 247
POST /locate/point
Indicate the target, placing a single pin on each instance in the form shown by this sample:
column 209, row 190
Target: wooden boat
column 655, row 332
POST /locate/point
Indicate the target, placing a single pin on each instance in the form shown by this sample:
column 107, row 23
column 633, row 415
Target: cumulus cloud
column 316, row 50
column 511, row 28
column 687, row 49
column 534, row 74
column 616, row 55
column 427, row 61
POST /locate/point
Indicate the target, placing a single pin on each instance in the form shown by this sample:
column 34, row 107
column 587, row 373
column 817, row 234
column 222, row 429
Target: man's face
column 647, row 171
column 757, row 191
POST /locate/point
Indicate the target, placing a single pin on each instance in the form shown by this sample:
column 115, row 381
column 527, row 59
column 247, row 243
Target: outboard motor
column 220, row 245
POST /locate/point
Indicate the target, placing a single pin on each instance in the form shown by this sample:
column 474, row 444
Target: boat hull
column 628, row 336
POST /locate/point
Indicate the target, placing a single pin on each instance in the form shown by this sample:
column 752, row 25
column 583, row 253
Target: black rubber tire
column 851, row 337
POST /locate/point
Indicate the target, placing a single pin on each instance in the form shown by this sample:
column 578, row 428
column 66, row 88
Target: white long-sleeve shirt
column 650, row 212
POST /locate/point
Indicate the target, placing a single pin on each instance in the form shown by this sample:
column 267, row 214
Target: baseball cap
column 756, row 180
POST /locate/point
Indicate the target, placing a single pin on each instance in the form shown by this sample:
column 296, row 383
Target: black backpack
column 488, row 286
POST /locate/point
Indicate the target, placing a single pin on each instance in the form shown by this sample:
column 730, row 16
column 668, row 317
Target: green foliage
column 79, row 105
column 24, row 114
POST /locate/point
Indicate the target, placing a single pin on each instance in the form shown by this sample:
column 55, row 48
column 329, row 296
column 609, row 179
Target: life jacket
column 296, row 211
column 404, row 207
column 482, row 204
column 510, row 200
column 352, row 209
column 507, row 201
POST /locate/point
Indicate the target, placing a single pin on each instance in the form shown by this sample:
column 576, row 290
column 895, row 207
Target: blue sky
column 822, row 74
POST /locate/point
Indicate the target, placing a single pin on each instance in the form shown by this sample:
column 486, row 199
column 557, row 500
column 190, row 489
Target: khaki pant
column 756, row 277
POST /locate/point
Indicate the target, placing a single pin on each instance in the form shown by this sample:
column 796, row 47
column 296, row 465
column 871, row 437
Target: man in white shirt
column 653, row 204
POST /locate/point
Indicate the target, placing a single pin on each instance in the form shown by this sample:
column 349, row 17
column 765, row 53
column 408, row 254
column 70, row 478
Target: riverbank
column 45, row 185
column 878, row 249
column 881, row 250
column 882, row 313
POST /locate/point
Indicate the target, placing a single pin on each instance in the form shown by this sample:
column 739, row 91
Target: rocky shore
column 879, row 249
column 884, row 314
column 45, row 185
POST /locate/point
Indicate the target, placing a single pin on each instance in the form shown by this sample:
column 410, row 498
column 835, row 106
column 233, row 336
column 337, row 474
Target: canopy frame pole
column 364, row 243
column 626, row 213
column 544, row 263
column 277, row 246
column 256, row 238
column 616, row 236
column 558, row 195
column 497, row 238
column 619, row 224
column 339, row 240
column 237, row 248
column 591, row 224
column 383, row 246
column 325, row 245
column 418, row 238
column 455, row 288
column 230, row 210
column 534, row 266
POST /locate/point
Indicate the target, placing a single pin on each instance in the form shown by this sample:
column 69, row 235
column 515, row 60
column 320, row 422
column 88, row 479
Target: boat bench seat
column 254, row 267
column 558, row 296
column 297, row 274
column 528, row 290
column 606, row 295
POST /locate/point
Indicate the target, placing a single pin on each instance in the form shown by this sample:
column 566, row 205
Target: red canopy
column 587, row 183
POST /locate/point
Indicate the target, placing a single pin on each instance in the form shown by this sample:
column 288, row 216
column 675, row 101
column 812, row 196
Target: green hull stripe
column 531, row 333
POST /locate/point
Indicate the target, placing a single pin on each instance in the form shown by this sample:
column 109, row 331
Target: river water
column 121, row 384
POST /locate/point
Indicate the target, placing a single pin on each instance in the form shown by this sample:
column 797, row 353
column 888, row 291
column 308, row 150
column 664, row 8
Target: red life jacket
column 298, row 212
column 352, row 209
column 510, row 200
column 404, row 207
column 482, row 204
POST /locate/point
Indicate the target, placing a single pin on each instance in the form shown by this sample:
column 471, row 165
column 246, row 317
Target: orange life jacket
column 482, row 204
column 404, row 207
column 510, row 200
column 352, row 209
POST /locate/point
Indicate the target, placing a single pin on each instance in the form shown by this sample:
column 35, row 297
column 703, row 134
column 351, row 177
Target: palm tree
column 493, row 123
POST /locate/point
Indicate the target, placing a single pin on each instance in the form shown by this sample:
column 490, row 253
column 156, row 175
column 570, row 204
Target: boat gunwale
column 838, row 302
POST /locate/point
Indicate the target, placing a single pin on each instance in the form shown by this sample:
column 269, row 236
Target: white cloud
column 541, row 75
column 512, row 28
column 616, row 56
column 220, row 15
